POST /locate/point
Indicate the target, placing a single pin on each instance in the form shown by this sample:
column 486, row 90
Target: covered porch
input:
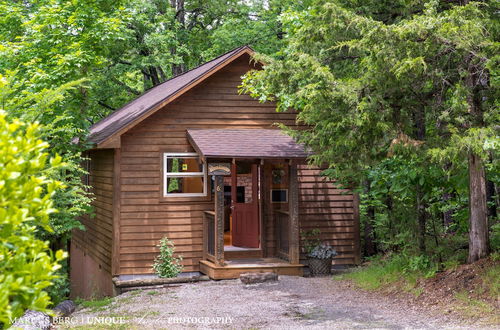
column 254, row 225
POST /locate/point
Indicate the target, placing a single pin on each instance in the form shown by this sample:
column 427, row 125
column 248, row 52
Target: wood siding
column 96, row 240
column 324, row 206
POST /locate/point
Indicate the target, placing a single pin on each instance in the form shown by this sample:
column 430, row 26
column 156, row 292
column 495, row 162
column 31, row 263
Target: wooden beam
column 115, row 250
column 261, row 209
column 219, row 219
column 114, row 142
column 294, row 253
column 357, row 245
column 205, row 236
column 195, row 147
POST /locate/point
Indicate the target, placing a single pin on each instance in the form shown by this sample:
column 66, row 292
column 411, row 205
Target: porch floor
column 234, row 268
column 237, row 248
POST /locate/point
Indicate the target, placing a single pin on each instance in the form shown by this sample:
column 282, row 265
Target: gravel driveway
column 291, row 303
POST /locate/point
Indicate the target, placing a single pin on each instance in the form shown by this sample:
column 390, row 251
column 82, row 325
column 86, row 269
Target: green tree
column 74, row 198
column 417, row 79
column 27, row 266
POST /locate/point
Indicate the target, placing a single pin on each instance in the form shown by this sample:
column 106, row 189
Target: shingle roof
column 155, row 96
column 245, row 143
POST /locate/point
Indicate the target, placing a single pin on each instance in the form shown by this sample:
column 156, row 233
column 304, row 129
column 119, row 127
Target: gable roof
column 245, row 143
column 157, row 97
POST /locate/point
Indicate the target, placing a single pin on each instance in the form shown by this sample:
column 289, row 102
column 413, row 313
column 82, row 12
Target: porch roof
column 245, row 143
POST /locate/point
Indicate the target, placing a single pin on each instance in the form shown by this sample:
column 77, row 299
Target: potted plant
column 319, row 254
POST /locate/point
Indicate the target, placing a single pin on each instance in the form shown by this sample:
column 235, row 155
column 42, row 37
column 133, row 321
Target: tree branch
column 101, row 103
column 127, row 87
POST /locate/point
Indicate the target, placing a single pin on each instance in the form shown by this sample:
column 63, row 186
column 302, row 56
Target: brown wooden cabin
column 194, row 160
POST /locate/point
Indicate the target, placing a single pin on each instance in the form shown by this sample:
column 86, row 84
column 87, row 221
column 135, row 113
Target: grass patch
column 153, row 293
column 135, row 293
column 95, row 305
column 471, row 307
column 491, row 280
column 394, row 269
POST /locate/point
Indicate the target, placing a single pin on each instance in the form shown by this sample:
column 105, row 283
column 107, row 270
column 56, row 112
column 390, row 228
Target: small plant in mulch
column 166, row 264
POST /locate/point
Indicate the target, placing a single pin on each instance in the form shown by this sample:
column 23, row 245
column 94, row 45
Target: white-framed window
column 184, row 175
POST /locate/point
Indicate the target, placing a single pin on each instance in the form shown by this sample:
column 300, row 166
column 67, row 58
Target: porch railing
column 213, row 238
column 283, row 233
column 209, row 237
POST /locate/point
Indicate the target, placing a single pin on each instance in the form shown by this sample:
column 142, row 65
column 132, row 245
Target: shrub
column 166, row 265
column 27, row 266
column 310, row 239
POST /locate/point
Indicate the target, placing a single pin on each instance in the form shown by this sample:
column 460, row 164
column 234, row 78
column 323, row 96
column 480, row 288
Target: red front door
column 245, row 214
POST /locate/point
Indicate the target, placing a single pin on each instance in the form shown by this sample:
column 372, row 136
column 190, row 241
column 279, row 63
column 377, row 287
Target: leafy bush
column 310, row 239
column 495, row 237
column 60, row 288
column 166, row 265
column 58, row 129
column 27, row 266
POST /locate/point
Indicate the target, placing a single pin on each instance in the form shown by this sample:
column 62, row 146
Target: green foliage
column 166, row 264
column 27, row 267
column 361, row 83
column 495, row 237
column 396, row 94
column 310, row 239
column 73, row 199
column 60, row 287
column 402, row 267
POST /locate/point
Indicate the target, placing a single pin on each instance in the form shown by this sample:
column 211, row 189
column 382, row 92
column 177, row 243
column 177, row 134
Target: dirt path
column 291, row 303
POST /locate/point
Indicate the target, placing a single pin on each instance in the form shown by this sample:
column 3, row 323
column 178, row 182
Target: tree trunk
column 447, row 215
column 478, row 211
column 153, row 73
column 478, row 208
column 421, row 204
column 490, row 199
column 446, row 198
column 369, row 235
column 370, row 247
column 180, row 15
column 388, row 203
column 421, row 219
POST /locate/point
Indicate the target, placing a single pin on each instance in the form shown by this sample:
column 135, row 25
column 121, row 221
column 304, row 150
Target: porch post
column 219, row 220
column 294, row 253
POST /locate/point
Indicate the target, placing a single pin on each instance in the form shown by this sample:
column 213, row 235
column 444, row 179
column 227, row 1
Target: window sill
column 193, row 199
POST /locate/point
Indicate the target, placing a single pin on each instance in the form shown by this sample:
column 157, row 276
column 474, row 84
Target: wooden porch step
column 244, row 254
column 234, row 268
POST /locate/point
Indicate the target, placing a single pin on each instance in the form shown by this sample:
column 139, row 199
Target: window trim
column 167, row 174
column 279, row 189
